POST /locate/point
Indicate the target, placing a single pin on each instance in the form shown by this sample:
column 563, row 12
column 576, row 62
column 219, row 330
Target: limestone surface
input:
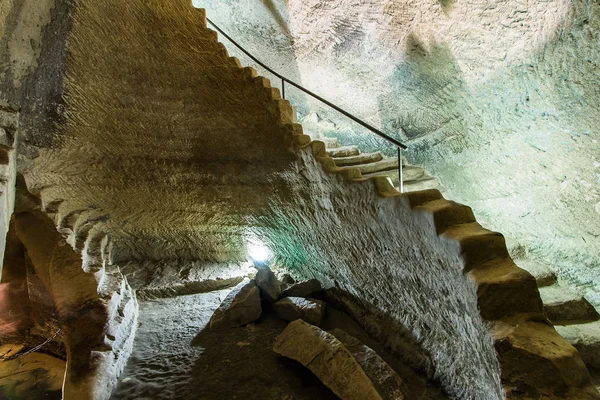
column 586, row 339
column 293, row 308
column 268, row 284
column 388, row 384
column 309, row 288
column 493, row 98
column 327, row 358
column 554, row 366
column 33, row 375
column 154, row 144
column 239, row 308
column 562, row 303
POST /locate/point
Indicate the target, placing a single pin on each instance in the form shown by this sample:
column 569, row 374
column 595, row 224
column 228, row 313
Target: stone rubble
column 240, row 307
column 388, row 384
column 293, row 308
column 327, row 358
column 307, row 289
column 268, row 284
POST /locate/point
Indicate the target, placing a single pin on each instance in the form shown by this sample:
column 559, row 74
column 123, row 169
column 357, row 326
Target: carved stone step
column 410, row 173
column 563, row 305
column 343, row 151
column 422, row 184
column 503, row 289
column 383, row 165
column 444, row 214
column 331, row 143
column 533, row 355
column 542, row 274
column 586, row 339
column 363, row 158
column 477, row 244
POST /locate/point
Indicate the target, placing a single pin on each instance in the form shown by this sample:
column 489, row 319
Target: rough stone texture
column 200, row 211
column 203, row 122
column 30, row 376
column 97, row 310
column 240, row 307
column 161, row 147
column 498, row 99
column 8, row 169
column 388, row 384
column 168, row 278
column 543, row 364
column 586, row 339
column 563, row 303
column 170, row 360
column 417, row 385
column 293, row 308
column 327, row 358
column 268, row 284
column 543, row 275
column 309, row 288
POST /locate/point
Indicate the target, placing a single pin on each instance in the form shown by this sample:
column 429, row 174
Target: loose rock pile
column 343, row 363
column 243, row 304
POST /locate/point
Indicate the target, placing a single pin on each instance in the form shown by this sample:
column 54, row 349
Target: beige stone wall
column 21, row 31
column 498, row 99
column 170, row 150
column 167, row 149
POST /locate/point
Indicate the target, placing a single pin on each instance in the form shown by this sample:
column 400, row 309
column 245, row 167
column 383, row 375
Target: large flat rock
column 240, row 307
column 30, row 376
column 293, row 308
column 327, row 358
column 388, row 384
column 535, row 360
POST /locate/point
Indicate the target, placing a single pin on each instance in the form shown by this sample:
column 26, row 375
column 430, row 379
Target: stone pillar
column 97, row 310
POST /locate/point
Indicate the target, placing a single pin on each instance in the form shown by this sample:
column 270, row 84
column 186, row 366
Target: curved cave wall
column 160, row 147
column 497, row 99
column 164, row 148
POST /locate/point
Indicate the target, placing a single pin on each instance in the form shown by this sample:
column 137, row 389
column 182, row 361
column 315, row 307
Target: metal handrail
column 376, row 131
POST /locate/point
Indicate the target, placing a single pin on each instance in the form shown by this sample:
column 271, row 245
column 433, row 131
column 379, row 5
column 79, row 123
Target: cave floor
column 174, row 357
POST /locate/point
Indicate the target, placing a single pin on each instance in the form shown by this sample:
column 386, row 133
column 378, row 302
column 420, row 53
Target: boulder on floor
column 310, row 288
column 327, row 358
column 536, row 360
column 240, row 307
column 293, row 308
column 388, row 384
column 286, row 280
column 268, row 284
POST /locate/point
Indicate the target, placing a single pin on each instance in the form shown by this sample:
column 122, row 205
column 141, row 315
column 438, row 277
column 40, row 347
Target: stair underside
column 542, row 274
column 564, row 306
column 586, row 339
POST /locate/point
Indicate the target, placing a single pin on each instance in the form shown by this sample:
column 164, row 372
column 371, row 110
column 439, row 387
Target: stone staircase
column 375, row 164
column 572, row 315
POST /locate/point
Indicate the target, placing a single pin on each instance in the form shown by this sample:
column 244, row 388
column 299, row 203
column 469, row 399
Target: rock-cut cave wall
column 499, row 99
column 162, row 147
column 168, row 149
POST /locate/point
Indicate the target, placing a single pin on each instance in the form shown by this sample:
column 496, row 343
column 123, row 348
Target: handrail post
column 400, row 175
column 283, row 88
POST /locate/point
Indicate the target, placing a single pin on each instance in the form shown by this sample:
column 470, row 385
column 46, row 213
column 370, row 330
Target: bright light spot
column 259, row 252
